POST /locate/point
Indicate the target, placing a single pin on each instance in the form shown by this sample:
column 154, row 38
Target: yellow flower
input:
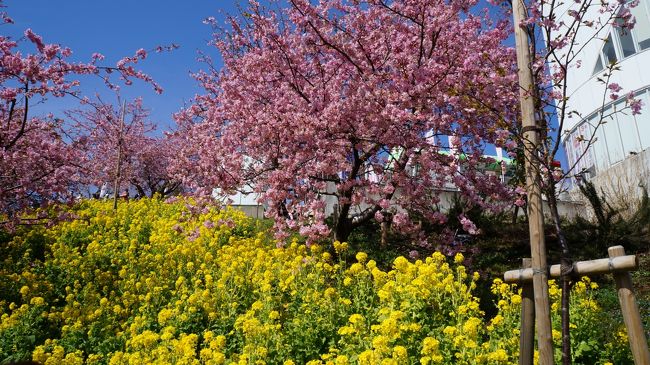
column 257, row 305
column 356, row 268
column 329, row 292
column 143, row 281
column 459, row 258
column 498, row 356
column 367, row 358
column 557, row 335
column 498, row 319
column 401, row 264
column 430, row 346
column 380, row 344
column 341, row 360
column 361, row 257
column 449, row 330
column 346, row 330
column 340, row 247
column 356, row 319
column 400, row 353
column 24, row 290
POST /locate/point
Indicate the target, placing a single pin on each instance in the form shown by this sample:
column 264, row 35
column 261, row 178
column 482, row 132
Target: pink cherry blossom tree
column 36, row 168
column 151, row 171
column 35, row 159
column 350, row 103
column 116, row 145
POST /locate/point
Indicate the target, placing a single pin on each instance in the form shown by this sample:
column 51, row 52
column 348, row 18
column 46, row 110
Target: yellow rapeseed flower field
column 178, row 283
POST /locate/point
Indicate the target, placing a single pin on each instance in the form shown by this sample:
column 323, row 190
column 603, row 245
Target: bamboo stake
column 527, row 332
column 118, row 168
column 533, row 187
column 630, row 310
column 592, row 267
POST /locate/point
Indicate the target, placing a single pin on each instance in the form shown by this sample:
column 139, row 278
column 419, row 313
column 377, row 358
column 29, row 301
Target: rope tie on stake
column 568, row 269
column 531, row 128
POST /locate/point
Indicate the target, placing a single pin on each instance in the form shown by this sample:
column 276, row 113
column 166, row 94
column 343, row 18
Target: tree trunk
column 140, row 190
column 566, row 270
column 384, row 234
column 343, row 229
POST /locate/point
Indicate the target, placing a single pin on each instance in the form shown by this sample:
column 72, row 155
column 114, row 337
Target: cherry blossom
column 104, row 135
column 37, row 160
column 337, row 104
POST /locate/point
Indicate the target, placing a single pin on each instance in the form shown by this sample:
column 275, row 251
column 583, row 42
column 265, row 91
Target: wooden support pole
column 527, row 331
column 533, row 187
column 630, row 310
column 581, row 268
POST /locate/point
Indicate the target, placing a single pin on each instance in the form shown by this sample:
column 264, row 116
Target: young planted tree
column 349, row 104
column 35, row 160
column 559, row 35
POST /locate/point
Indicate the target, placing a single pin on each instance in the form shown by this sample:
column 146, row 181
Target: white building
column 248, row 201
column 619, row 159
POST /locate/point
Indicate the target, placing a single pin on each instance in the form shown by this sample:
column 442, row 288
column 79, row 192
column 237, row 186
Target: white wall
column 622, row 135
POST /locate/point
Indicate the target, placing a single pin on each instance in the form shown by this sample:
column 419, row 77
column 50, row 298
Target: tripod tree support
column 630, row 310
column 533, row 186
column 619, row 265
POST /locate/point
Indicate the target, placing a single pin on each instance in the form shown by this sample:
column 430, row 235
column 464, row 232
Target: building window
column 642, row 27
column 622, row 43
column 599, row 65
column 626, row 40
column 609, row 51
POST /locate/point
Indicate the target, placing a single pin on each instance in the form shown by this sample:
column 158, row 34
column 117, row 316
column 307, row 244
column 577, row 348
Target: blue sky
column 118, row 28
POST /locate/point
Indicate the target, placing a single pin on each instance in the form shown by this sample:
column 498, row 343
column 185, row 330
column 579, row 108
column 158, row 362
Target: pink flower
column 6, row 19
column 141, row 53
column 635, row 105
column 8, row 93
column 36, row 39
column 557, row 174
column 468, row 225
column 97, row 56
column 50, row 51
column 520, row 190
column 614, row 87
